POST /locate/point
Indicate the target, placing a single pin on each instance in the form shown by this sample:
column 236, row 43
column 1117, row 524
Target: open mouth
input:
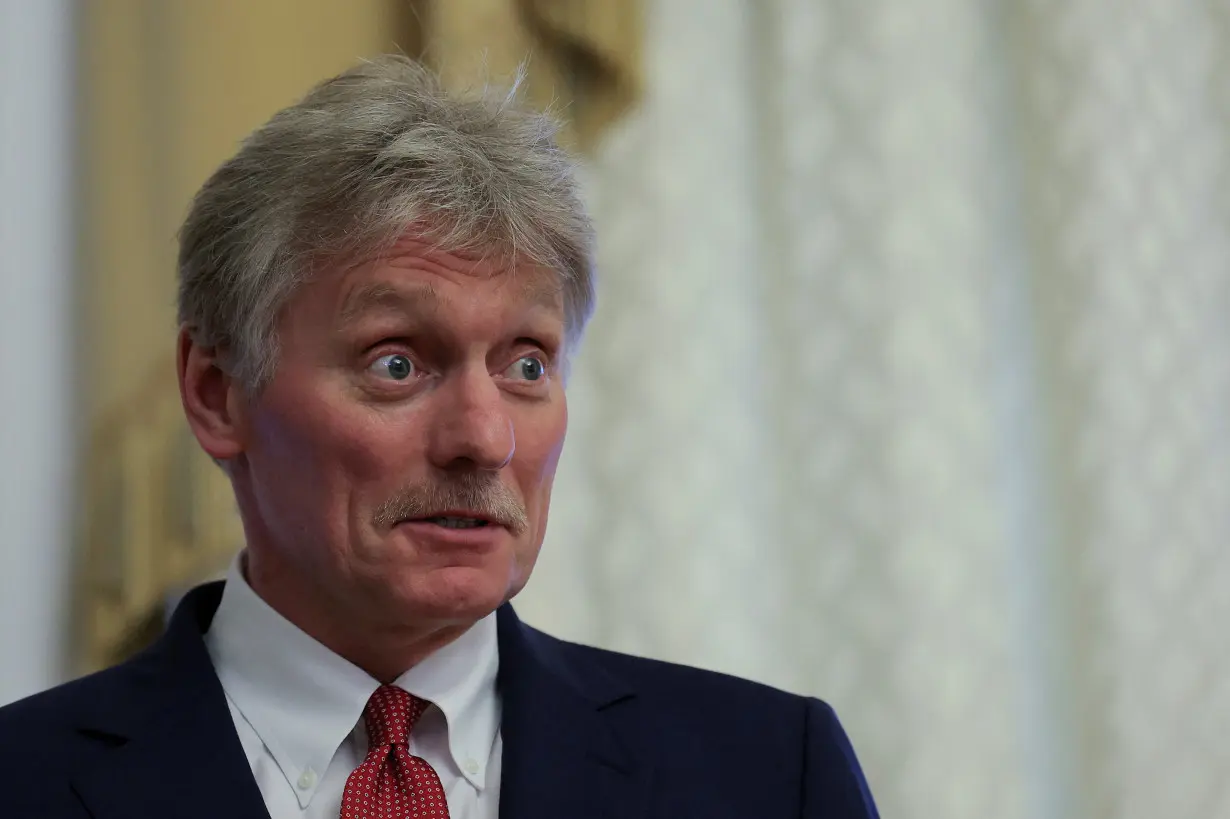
column 454, row 522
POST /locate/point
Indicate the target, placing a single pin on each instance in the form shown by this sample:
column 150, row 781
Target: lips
column 456, row 522
column 456, row 519
column 459, row 505
column 465, row 530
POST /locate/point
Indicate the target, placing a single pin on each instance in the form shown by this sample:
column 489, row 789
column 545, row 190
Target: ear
column 213, row 401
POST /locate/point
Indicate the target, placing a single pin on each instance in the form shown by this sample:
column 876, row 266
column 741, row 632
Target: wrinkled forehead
column 541, row 290
column 374, row 284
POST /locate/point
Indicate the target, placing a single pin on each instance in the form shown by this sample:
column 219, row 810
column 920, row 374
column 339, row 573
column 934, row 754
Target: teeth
column 458, row 523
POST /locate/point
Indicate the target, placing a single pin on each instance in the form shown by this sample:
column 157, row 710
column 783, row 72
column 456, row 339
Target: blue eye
column 530, row 368
column 395, row 366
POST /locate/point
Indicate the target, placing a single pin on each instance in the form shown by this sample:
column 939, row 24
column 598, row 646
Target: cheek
column 323, row 457
column 559, row 432
column 539, row 446
column 293, row 476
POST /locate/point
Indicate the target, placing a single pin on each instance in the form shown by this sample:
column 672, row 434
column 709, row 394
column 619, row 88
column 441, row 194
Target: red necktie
column 392, row 784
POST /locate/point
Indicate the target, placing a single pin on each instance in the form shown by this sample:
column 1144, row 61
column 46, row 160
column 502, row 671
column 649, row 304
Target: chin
column 456, row 593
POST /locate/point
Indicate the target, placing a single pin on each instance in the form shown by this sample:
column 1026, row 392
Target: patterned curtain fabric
column 908, row 388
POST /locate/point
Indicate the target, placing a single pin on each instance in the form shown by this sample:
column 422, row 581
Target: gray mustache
column 481, row 494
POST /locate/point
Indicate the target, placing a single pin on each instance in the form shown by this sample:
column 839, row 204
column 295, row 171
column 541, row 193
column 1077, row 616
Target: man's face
column 400, row 460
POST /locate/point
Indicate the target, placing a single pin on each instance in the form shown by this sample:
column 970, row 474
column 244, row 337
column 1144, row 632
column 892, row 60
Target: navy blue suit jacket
column 588, row 734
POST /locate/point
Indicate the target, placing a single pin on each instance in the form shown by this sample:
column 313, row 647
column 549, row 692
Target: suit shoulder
column 62, row 706
column 693, row 722
column 795, row 743
column 660, row 678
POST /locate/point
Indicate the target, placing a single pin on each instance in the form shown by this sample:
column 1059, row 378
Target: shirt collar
column 275, row 674
column 460, row 679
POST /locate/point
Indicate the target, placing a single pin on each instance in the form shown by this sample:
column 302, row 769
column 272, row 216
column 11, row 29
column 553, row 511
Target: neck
column 385, row 650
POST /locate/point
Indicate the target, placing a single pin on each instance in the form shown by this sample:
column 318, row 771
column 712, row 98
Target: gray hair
column 342, row 174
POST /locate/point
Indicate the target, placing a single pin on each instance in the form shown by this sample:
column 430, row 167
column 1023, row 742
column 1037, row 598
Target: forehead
column 421, row 280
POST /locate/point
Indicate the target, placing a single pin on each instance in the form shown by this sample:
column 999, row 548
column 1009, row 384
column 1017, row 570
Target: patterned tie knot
column 390, row 714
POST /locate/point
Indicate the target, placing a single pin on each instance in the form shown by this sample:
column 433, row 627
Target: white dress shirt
column 298, row 709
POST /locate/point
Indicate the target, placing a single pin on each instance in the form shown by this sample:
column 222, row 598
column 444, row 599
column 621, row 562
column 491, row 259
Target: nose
column 471, row 427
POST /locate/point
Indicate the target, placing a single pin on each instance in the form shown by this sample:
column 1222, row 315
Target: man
column 378, row 298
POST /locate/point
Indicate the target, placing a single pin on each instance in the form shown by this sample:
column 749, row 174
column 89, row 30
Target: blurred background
column 908, row 387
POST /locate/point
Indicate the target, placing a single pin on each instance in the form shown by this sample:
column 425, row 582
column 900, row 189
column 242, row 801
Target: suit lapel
column 564, row 755
column 174, row 752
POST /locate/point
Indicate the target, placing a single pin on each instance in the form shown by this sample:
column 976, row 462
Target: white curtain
column 910, row 389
